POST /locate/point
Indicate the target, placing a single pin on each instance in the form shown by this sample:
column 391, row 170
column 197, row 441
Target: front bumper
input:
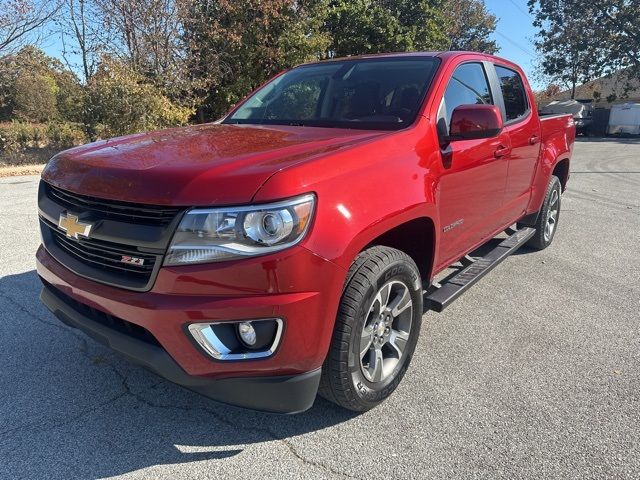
column 297, row 286
column 280, row 394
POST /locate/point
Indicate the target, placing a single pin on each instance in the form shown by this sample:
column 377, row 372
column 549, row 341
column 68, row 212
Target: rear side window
column 515, row 98
column 468, row 86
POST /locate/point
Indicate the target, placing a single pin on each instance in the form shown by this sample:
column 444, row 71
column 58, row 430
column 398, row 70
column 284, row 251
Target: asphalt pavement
column 534, row 373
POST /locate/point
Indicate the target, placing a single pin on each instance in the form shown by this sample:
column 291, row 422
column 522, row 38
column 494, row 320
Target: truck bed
column 556, row 128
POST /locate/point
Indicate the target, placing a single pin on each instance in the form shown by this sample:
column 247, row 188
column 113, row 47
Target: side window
column 515, row 98
column 468, row 86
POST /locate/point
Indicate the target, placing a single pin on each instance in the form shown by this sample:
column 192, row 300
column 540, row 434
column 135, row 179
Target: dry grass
column 29, row 156
column 21, row 170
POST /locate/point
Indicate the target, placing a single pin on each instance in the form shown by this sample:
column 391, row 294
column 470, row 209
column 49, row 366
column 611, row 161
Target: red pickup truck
column 292, row 247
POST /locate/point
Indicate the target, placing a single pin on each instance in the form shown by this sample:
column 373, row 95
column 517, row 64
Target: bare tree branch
column 19, row 19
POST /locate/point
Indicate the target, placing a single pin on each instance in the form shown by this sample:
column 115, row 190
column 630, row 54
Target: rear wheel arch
column 561, row 170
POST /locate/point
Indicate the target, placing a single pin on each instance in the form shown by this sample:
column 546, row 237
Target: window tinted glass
column 371, row 93
column 468, row 86
column 515, row 99
column 300, row 97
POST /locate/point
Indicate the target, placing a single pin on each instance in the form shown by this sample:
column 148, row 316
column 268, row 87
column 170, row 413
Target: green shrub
column 35, row 97
column 23, row 134
column 16, row 136
column 20, row 136
column 65, row 135
column 37, row 88
column 123, row 102
column 8, row 141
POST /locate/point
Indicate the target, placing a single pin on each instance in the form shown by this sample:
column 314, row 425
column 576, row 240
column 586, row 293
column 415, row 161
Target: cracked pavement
column 534, row 373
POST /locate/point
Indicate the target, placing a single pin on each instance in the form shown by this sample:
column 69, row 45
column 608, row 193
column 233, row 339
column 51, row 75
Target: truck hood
column 210, row 164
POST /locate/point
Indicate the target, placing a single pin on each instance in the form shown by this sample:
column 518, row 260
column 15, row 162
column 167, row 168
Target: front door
column 471, row 188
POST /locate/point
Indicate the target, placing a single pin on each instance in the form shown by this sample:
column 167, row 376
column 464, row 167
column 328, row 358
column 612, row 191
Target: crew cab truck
column 291, row 247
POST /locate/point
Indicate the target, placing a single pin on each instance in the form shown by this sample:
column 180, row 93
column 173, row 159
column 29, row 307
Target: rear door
column 473, row 179
column 523, row 128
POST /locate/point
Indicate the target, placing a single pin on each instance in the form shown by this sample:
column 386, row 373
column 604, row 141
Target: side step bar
column 455, row 286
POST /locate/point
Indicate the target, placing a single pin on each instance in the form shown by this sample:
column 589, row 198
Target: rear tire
column 547, row 222
column 376, row 330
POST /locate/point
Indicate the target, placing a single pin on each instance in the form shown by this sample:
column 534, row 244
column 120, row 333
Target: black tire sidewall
column 538, row 242
column 366, row 391
column 554, row 185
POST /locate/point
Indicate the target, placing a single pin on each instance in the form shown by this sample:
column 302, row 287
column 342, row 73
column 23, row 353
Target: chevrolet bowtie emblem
column 72, row 227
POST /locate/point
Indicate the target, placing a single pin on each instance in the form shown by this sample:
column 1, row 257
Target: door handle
column 533, row 140
column 501, row 151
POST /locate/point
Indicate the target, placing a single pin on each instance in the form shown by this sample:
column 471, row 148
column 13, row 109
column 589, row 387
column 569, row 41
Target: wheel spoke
column 400, row 303
column 552, row 215
column 365, row 340
column 398, row 340
column 375, row 365
column 383, row 296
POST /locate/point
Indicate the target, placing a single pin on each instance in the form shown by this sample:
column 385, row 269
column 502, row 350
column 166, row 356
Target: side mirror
column 475, row 121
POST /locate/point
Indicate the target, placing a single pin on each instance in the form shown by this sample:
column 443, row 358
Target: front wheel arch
column 415, row 237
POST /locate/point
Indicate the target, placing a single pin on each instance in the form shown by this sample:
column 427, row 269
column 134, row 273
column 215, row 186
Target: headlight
column 215, row 234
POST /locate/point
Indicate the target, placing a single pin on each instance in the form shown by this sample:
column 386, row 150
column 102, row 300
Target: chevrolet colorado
column 292, row 247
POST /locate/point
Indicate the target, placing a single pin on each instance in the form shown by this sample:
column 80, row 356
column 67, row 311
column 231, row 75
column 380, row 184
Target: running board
column 455, row 286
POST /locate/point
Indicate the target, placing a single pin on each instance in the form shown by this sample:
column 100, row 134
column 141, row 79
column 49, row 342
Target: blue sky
column 514, row 34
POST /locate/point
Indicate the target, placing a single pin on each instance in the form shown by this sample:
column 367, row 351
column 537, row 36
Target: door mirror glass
column 475, row 121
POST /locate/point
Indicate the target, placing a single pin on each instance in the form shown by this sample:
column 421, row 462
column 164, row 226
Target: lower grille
column 115, row 323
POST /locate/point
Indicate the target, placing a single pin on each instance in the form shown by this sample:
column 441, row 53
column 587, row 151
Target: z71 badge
column 132, row 260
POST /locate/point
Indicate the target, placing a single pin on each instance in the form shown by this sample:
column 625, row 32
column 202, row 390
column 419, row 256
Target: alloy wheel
column 386, row 331
column 552, row 216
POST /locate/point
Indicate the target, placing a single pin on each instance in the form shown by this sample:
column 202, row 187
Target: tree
column 83, row 36
column 470, row 25
column 582, row 39
column 546, row 95
column 374, row 26
column 35, row 97
column 234, row 46
column 36, row 87
column 122, row 102
column 617, row 29
column 148, row 35
column 20, row 19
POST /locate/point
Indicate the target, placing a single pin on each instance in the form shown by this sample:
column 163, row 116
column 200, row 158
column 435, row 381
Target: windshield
column 378, row 93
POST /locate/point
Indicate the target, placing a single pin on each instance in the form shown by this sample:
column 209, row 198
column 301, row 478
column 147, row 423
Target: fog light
column 247, row 333
column 238, row 340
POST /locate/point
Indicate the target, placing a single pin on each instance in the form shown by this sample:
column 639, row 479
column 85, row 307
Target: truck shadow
column 71, row 408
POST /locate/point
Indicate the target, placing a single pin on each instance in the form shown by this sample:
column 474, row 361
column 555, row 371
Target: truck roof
column 445, row 55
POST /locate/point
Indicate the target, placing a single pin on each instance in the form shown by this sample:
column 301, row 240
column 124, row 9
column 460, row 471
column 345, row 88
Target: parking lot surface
column 534, row 373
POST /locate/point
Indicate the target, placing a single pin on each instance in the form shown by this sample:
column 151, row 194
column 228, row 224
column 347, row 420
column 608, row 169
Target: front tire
column 547, row 222
column 376, row 330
